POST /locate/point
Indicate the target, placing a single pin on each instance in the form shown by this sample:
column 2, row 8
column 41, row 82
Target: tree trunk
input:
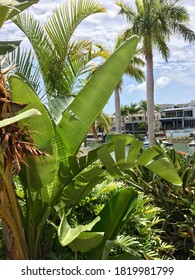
column 150, row 97
column 13, row 232
column 117, row 110
column 94, row 132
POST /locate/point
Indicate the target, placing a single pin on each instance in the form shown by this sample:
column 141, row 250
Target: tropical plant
column 155, row 22
column 16, row 143
column 42, row 188
column 176, row 204
column 50, row 189
column 119, row 207
column 140, row 238
column 65, row 179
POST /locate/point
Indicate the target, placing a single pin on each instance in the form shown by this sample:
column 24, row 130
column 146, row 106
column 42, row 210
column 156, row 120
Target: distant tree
column 124, row 110
column 132, row 110
column 143, row 106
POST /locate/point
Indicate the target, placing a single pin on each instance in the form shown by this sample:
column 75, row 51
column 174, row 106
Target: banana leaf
column 113, row 217
column 66, row 234
column 90, row 101
column 42, row 170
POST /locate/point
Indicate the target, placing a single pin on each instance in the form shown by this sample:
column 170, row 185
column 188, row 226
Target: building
column 138, row 121
column 178, row 118
column 169, row 117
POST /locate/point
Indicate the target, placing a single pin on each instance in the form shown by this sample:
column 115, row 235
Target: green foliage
column 43, row 187
column 62, row 58
column 177, row 203
column 69, row 203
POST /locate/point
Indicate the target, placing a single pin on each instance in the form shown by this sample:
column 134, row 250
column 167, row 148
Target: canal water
column 183, row 147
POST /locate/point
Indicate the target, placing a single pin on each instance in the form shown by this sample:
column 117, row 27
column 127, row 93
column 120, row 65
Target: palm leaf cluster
column 62, row 58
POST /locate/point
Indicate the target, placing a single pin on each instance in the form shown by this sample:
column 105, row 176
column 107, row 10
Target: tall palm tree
column 132, row 110
column 133, row 70
column 155, row 21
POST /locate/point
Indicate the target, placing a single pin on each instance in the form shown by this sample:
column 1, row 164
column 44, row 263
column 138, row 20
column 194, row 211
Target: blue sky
column 174, row 81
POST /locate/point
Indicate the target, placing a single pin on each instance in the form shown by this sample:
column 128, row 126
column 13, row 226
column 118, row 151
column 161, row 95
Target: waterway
column 184, row 148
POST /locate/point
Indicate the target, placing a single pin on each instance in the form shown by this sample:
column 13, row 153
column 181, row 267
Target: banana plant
column 62, row 173
column 48, row 181
column 42, row 176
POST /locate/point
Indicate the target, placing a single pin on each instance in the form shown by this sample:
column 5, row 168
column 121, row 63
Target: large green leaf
column 163, row 168
column 119, row 163
column 67, row 234
column 86, row 241
column 42, row 171
column 90, row 101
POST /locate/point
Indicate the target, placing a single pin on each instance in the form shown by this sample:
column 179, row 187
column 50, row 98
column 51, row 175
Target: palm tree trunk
column 117, row 110
column 150, row 97
column 94, row 132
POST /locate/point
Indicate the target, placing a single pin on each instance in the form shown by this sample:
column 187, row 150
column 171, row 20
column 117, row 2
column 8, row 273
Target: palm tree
column 103, row 123
column 133, row 109
column 143, row 106
column 155, row 22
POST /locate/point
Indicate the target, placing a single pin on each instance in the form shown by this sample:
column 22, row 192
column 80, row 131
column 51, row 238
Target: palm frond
column 25, row 64
column 62, row 24
column 40, row 42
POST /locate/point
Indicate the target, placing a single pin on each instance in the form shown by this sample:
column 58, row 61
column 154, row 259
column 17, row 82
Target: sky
column 174, row 80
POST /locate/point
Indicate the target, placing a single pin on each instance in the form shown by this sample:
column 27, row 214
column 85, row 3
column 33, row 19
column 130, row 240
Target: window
column 188, row 113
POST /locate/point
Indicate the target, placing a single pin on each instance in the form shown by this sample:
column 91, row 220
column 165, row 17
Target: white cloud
column 162, row 82
column 134, row 87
